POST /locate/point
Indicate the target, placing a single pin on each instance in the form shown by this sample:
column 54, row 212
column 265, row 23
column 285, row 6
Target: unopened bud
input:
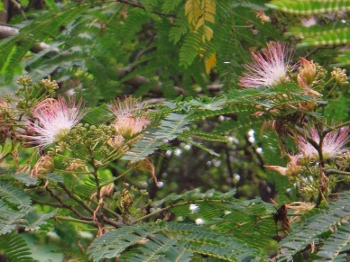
column 48, row 84
column 43, row 166
column 307, row 74
column 24, row 80
column 97, row 163
column 262, row 16
column 339, row 76
column 106, row 190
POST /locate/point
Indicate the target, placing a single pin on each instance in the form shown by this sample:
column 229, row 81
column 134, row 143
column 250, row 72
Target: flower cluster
column 310, row 148
column 332, row 144
column 272, row 67
column 52, row 120
column 268, row 68
column 318, row 150
column 291, row 169
column 128, row 123
column 307, row 73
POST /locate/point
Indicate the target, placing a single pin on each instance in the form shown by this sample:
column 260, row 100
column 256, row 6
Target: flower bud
column 24, row 80
column 128, row 124
column 43, row 166
column 301, row 207
column 307, row 74
column 48, row 84
column 339, row 76
column 106, row 190
column 262, row 16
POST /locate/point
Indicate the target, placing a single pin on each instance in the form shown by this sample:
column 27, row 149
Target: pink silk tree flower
column 292, row 168
column 332, row 145
column 268, row 68
column 53, row 120
column 128, row 123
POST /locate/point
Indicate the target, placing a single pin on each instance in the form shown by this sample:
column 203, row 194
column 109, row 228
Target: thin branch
column 58, row 205
column 71, row 219
column 90, row 210
column 142, row 7
column 61, row 204
column 337, row 172
column 71, row 195
column 176, row 205
column 229, row 167
column 116, row 215
column 341, row 125
column 254, row 151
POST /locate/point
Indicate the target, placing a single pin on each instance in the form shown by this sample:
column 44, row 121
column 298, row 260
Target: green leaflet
column 302, row 7
column 171, row 126
column 15, row 247
column 168, row 242
column 14, row 196
column 313, row 227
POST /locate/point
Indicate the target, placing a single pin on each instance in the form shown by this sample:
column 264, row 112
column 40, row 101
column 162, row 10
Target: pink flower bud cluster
column 311, row 147
column 129, row 121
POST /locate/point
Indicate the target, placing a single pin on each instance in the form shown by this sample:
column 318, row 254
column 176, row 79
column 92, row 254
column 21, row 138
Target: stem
column 71, row 173
column 71, row 219
column 120, row 176
column 71, row 195
column 337, row 172
column 341, row 125
column 59, row 205
column 330, row 91
column 142, row 7
column 229, row 167
column 175, row 205
column 116, row 215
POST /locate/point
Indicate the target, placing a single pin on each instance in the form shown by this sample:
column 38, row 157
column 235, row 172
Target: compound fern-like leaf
column 170, row 128
column 310, row 7
column 313, row 227
column 14, row 195
column 15, row 248
column 168, row 242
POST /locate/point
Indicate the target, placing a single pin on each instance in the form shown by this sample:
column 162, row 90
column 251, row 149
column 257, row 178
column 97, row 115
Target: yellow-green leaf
column 210, row 63
column 192, row 11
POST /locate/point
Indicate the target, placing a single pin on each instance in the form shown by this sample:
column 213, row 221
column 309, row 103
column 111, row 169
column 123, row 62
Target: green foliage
column 169, row 5
column 325, row 32
column 228, row 215
column 25, row 216
column 321, row 227
column 115, row 56
column 36, row 220
column 322, row 35
column 14, row 196
column 170, row 127
column 92, row 179
column 189, row 49
column 310, row 7
column 10, row 218
column 334, row 245
column 44, row 26
column 337, row 108
column 169, row 242
column 272, row 103
column 15, row 247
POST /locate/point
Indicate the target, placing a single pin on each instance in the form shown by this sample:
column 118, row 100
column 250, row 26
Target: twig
column 142, row 7
column 176, row 205
column 90, row 210
column 337, row 172
column 71, row 219
column 71, row 195
column 229, row 168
